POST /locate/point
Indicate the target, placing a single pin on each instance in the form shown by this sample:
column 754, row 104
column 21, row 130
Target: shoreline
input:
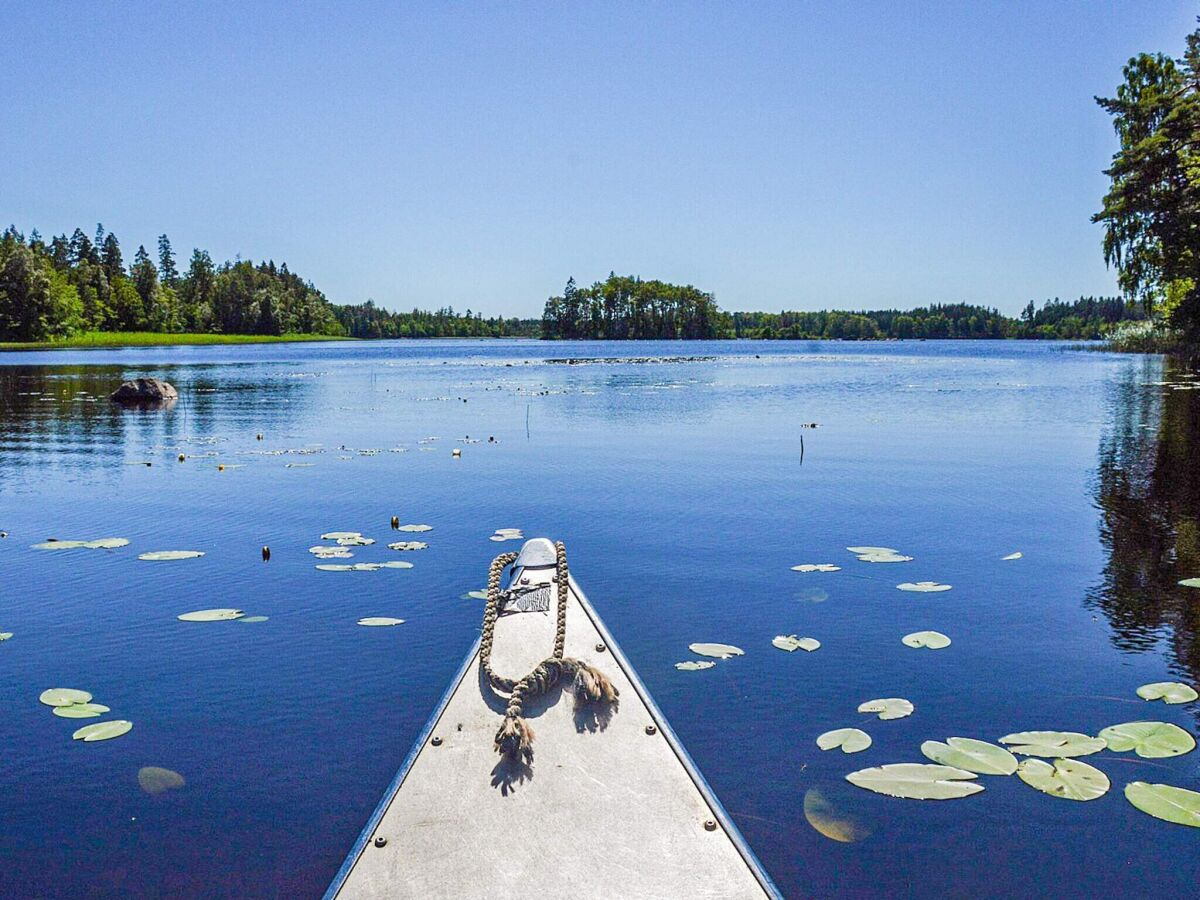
column 116, row 340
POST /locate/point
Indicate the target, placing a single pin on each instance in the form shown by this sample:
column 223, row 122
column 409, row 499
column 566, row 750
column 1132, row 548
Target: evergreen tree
column 166, row 262
column 110, row 258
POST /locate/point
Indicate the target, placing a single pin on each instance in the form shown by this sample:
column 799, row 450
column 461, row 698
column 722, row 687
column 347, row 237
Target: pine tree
column 166, row 262
column 110, row 258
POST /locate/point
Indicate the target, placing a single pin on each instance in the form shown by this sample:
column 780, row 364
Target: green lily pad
column 474, row 595
column 357, row 541
column 791, row 643
column 160, row 555
column 1168, row 692
column 327, row 552
column 720, row 651
column 823, row 813
column 81, row 710
column 1151, row 740
column 917, row 781
column 211, row 615
column 924, row 587
column 1190, row 582
column 395, row 564
column 851, row 740
column 694, row 665
column 866, row 551
column 380, row 621
column 415, row 528
column 340, row 535
column 408, row 545
column 64, row 697
column 103, row 731
column 817, row 567
column 5, row 635
column 254, row 618
column 99, row 544
column 1012, row 556
column 884, row 558
column 1054, row 744
column 888, row 707
column 155, row 780
column 972, row 755
column 1071, row 779
column 1163, row 801
column 931, row 640
column 334, row 567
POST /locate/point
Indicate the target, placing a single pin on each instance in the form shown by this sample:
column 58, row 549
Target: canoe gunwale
column 720, row 814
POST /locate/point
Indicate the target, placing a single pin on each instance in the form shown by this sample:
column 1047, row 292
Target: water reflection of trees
column 1148, row 491
column 60, row 418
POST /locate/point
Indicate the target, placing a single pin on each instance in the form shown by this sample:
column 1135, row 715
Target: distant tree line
column 623, row 307
column 367, row 320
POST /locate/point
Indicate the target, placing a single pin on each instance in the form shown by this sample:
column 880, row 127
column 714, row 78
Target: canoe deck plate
column 609, row 808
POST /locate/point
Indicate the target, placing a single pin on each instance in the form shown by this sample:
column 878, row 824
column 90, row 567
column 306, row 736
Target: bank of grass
column 100, row 340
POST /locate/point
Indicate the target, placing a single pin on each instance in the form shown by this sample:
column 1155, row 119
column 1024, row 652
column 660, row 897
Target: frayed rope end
column 514, row 739
column 592, row 686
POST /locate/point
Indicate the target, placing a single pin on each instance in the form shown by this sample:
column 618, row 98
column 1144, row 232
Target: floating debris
column 1150, row 740
column 1163, row 801
column 720, row 651
column 974, row 756
column 1168, row 692
column 1053, row 744
column 917, row 781
column 1070, row 779
column 930, row 640
column 791, row 643
column 888, row 707
column 850, row 740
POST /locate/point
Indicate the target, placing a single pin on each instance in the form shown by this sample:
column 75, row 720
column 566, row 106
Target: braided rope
column 514, row 737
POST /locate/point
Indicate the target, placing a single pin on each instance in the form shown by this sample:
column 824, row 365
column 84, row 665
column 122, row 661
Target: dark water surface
column 679, row 489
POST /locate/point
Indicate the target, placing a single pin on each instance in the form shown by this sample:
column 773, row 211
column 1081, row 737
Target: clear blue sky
column 793, row 155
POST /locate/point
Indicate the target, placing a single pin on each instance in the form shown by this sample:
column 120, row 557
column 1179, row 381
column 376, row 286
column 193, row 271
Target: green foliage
column 626, row 307
column 367, row 320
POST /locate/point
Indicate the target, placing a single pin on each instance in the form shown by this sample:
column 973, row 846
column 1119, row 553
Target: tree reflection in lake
column 1148, row 490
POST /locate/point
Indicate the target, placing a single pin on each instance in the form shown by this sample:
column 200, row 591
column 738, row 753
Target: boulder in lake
column 145, row 392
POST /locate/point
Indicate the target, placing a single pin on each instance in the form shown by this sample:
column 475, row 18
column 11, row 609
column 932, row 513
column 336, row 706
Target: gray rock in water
column 145, row 392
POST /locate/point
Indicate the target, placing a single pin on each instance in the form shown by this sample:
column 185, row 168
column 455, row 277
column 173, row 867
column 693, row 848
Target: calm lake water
column 684, row 495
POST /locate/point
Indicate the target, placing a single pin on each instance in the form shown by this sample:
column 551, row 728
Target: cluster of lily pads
column 1053, row 767
column 507, row 534
column 715, row 651
column 115, row 543
column 223, row 614
column 344, row 540
column 69, row 703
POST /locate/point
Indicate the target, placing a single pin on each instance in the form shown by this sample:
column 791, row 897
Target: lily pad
column 1166, row 802
column 335, row 567
column 972, row 755
column 5, row 635
column 103, row 731
column 917, row 781
column 395, row 564
column 865, row 551
column 823, row 813
column 415, row 528
column 1168, row 692
column 1071, row 779
column 851, row 740
column 330, row 552
column 1190, row 582
column 99, row 544
column 694, row 665
column 888, row 707
column 211, row 615
column 64, row 697
column 380, row 621
column 924, row 587
column 817, row 567
column 931, row 640
column 155, row 780
column 159, row 555
column 475, row 595
column 340, row 535
column 791, row 643
column 1151, row 740
column 81, row 710
column 1054, row 744
column 1012, row 556
column 356, row 541
column 885, row 558
column 254, row 619
column 720, row 651
column 408, row 545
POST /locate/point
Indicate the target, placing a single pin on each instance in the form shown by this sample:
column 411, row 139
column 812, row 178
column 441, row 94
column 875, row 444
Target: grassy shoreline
column 110, row 340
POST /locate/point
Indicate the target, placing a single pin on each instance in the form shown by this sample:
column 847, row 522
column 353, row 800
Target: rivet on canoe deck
column 437, row 742
column 381, row 841
column 650, row 729
column 710, row 825
column 600, row 648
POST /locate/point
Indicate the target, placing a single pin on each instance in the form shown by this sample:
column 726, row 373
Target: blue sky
column 787, row 155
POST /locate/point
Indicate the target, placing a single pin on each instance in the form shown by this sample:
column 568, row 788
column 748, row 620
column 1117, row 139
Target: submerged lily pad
column 931, row 640
column 211, row 615
column 917, row 781
column 103, row 731
column 851, row 740
column 408, row 545
column 64, row 697
column 1168, row 692
column 791, row 643
column 694, row 665
column 1012, row 556
column 720, row 651
column 380, row 621
column 1053, row 744
column 822, row 812
column 924, row 587
column 817, row 567
column 1166, row 802
column 888, row 707
column 1151, row 740
column 81, row 710
column 972, row 755
column 155, row 780
column 158, row 555
column 415, row 528
column 1071, row 779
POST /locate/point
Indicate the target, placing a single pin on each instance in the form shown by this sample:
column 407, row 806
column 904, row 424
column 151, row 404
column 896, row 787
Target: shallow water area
column 686, row 482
